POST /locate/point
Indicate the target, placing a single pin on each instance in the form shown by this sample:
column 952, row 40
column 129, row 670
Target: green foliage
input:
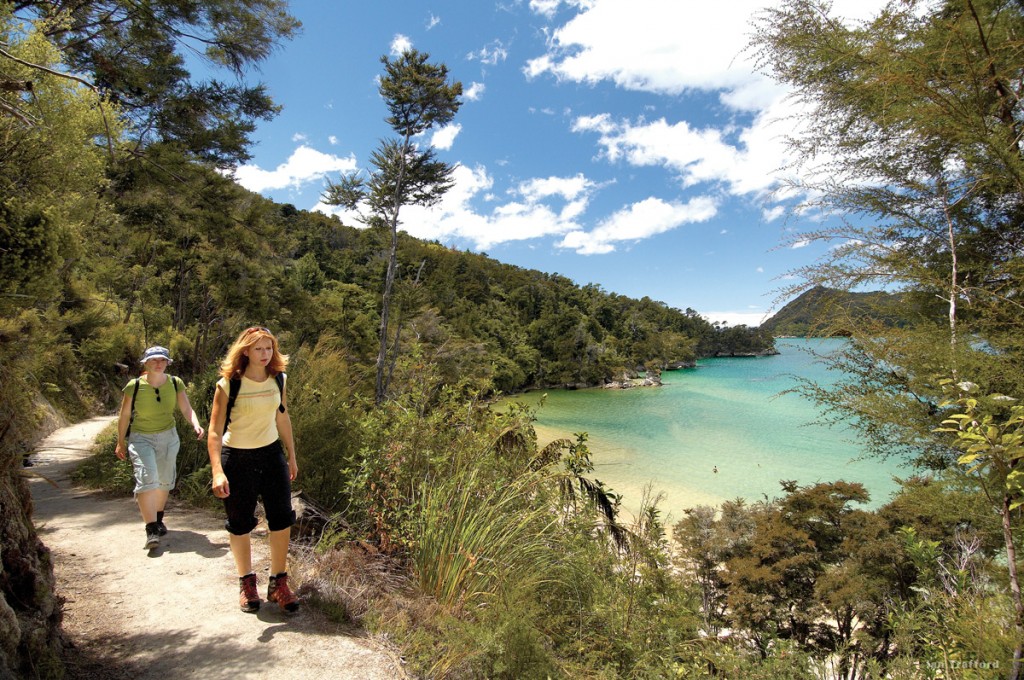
column 498, row 642
column 527, row 568
column 821, row 311
column 914, row 111
column 107, row 343
column 704, row 542
column 324, row 402
column 194, row 488
column 137, row 55
column 432, row 431
column 938, row 507
column 721, row 659
column 837, row 590
column 104, row 469
column 990, row 432
column 959, row 620
column 472, row 540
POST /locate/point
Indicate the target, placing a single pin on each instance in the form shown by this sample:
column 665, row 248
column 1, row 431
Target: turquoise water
column 716, row 432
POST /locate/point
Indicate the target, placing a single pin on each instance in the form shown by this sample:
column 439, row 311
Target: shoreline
column 675, row 500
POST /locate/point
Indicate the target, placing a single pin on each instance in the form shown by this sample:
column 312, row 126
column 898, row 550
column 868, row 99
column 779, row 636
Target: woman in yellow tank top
column 252, row 455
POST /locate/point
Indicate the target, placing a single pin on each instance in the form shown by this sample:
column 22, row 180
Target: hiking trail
column 172, row 612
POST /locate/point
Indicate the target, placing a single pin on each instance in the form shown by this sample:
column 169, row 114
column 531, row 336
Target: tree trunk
column 1018, row 606
column 381, row 385
column 953, row 281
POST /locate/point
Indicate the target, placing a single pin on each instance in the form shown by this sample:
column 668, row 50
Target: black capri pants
column 257, row 473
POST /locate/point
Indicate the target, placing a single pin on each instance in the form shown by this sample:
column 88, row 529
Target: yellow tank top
column 254, row 415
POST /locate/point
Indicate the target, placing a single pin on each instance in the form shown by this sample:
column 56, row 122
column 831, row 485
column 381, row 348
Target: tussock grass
column 472, row 538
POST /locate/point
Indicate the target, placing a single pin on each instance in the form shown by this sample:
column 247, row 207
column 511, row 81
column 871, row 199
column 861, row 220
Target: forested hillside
column 187, row 257
column 823, row 311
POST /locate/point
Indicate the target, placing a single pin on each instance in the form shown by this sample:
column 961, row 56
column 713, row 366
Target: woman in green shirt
column 146, row 433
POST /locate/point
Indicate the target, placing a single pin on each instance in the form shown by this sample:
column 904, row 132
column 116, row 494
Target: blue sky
column 625, row 143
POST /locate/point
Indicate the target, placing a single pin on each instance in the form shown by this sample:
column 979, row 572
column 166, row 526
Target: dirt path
column 172, row 613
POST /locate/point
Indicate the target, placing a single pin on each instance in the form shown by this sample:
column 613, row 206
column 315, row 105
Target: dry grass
column 350, row 581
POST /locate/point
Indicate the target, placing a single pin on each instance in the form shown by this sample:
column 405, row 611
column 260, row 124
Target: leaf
column 1015, row 486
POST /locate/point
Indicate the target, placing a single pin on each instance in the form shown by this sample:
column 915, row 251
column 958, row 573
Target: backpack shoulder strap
column 177, row 382
column 234, row 384
column 279, row 379
column 131, row 418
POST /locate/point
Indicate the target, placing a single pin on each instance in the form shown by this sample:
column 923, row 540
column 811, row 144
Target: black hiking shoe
column 152, row 536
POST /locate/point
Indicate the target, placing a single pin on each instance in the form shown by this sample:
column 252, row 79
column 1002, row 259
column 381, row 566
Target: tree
column 990, row 431
column 419, row 97
column 706, row 542
column 913, row 143
column 134, row 54
column 50, row 169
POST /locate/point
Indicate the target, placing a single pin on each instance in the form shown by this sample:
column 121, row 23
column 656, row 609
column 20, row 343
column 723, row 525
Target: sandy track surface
column 172, row 612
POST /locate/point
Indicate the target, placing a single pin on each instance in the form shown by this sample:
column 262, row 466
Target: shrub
column 472, row 539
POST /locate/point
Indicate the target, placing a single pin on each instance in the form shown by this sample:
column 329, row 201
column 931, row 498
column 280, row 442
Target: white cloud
column 660, row 46
column 516, row 220
column 569, row 188
column 800, row 244
column 444, row 137
column 305, row 165
column 539, row 207
column 474, row 91
column 747, row 163
column 545, row 7
column 491, row 53
column 666, row 47
column 534, row 210
column 333, row 140
column 638, row 221
column 537, row 66
column 400, row 44
column 299, row 137
column 602, row 123
column 433, row 21
column 737, row 318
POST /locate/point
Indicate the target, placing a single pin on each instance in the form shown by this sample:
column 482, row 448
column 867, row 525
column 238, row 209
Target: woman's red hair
column 235, row 362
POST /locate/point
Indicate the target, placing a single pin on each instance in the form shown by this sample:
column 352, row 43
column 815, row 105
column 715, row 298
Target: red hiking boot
column 279, row 592
column 248, row 594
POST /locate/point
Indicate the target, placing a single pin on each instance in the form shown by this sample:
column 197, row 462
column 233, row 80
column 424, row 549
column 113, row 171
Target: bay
column 720, row 431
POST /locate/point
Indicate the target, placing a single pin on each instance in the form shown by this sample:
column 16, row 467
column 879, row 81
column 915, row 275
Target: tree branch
column 68, row 76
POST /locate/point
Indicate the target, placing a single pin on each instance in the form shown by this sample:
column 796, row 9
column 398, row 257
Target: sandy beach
column 612, row 466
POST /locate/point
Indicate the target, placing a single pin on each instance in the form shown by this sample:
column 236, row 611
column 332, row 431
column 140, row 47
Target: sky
column 629, row 144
